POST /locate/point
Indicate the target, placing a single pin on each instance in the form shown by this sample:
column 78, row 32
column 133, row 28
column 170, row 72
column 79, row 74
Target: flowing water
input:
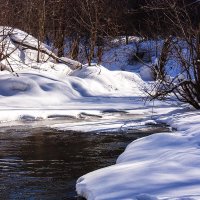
column 42, row 163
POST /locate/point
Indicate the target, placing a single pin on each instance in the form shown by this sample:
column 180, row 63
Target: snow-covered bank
column 40, row 90
column 160, row 166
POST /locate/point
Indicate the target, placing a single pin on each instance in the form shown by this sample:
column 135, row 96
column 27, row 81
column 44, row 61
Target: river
column 42, row 163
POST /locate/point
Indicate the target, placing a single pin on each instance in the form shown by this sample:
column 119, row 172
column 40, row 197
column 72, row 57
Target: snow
column 146, row 73
column 106, row 124
column 101, row 98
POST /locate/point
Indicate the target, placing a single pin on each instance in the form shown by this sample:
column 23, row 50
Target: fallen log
column 71, row 63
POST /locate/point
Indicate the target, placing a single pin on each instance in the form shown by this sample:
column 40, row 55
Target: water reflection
column 45, row 164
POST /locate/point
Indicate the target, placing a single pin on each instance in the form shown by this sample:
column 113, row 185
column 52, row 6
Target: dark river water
column 42, row 163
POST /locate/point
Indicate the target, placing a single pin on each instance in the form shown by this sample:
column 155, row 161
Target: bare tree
column 96, row 21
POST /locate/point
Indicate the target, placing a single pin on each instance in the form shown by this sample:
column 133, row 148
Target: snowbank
column 161, row 166
column 87, row 87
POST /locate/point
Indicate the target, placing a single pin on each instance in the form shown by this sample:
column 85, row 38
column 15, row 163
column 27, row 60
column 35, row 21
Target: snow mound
column 102, row 81
column 34, row 89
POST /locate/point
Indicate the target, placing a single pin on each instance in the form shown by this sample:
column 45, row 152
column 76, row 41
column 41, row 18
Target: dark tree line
column 53, row 20
column 92, row 20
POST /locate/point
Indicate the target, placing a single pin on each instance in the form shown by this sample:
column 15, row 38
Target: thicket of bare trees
column 178, row 66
